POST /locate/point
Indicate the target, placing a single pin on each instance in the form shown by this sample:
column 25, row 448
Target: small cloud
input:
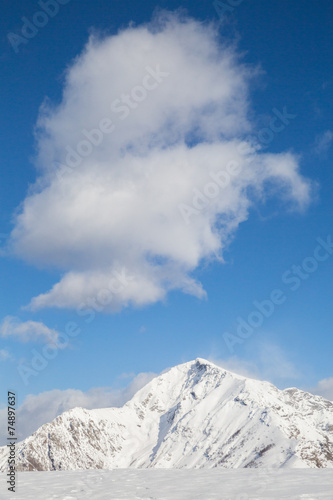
column 27, row 331
column 126, row 375
column 37, row 410
column 275, row 364
column 142, row 329
column 239, row 366
column 269, row 363
column 323, row 142
column 4, row 355
column 324, row 388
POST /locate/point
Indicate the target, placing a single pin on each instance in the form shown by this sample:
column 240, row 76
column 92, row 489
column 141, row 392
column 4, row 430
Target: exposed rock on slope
column 193, row 415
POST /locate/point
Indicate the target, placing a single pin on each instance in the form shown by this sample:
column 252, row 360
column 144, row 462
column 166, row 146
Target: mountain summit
column 191, row 416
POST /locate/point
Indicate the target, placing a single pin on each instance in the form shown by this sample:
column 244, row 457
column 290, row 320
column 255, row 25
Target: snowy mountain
column 192, row 416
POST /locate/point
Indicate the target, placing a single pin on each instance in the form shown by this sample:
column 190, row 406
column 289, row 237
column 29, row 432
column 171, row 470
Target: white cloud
column 324, row 388
column 268, row 362
column 323, row 142
column 39, row 409
column 118, row 209
column 275, row 364
column 239, row 366
column 26, row 331
column 4, row 354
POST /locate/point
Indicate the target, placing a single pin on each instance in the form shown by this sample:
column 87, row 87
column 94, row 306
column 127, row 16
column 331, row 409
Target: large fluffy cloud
column 144, row 168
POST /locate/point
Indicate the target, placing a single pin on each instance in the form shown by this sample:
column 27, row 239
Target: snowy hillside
column 191, row 416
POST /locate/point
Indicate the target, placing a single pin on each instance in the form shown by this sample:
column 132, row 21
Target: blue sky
column 282, row 55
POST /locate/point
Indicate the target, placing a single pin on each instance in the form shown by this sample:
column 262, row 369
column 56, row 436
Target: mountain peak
column 201, row 361
column 204, row 364
column 193, row 415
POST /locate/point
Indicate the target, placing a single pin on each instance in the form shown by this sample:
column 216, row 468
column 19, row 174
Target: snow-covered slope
column 193, row 415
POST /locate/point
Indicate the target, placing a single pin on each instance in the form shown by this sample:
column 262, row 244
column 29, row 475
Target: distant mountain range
column 195, row 415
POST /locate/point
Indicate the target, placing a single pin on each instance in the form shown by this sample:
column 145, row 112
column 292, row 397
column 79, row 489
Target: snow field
column 161, row 484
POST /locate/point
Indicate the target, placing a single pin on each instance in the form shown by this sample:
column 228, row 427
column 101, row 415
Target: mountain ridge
column 193, row 415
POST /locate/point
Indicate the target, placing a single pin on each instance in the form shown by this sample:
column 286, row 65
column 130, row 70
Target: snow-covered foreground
column 161, row 484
